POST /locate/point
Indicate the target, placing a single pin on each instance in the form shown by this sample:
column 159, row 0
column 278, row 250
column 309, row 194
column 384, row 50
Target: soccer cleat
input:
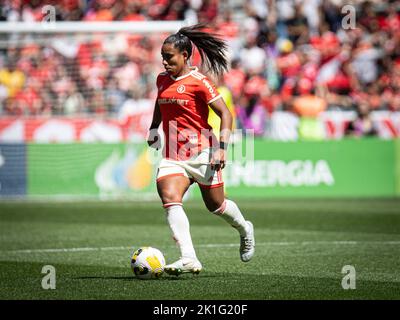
column 183, row 265
column 247, row 244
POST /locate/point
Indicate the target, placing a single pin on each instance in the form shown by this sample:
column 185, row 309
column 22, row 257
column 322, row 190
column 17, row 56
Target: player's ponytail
column 211, row 48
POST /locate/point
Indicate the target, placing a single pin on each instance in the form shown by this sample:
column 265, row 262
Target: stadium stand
column 289, row 58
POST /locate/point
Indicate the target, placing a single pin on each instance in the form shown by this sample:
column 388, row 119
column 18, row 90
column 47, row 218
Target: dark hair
column 211, row 47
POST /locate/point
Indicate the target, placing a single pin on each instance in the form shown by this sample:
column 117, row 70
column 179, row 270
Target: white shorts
column 197, row 170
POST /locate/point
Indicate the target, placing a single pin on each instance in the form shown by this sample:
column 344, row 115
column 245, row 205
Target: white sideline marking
column 303, row 243
column 211, row 245
column 66, row 250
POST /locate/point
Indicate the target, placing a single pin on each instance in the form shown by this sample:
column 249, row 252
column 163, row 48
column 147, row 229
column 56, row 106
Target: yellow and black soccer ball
column 147, row 263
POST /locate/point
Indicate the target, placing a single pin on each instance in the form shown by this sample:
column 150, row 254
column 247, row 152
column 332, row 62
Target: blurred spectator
column 288, row 61
column 133, row 11
column 167, row 10
column 12, row 78
column 252, row 58
column 208, row 11
column 115, row 98
column 103, row 10
column 307, row 104
column 235, row 79
column 311, row 10
column 308, row 107
column 71, row 10
column 74, row 102
column 332, row 17
column 364, row 61
column 297, row 26
column 285, row 11
column 257, row 8
column 251, row 115
column 363, row 125
column 27, row 100
column 229, row 30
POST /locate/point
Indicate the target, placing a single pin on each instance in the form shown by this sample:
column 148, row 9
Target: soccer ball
column 147, row 263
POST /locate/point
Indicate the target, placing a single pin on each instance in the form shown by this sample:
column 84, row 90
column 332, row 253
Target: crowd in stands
column 303, row 56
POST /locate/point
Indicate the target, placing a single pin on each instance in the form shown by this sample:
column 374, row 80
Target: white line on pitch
column 305, row 243
column 210, row 245
column 57, row 250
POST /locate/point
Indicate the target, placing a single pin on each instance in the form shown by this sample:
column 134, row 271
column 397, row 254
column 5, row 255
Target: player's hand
column 154, row 141
column 218, row 159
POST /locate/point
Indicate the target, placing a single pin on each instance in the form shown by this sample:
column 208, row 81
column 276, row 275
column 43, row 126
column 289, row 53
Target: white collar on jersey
column 192, row 69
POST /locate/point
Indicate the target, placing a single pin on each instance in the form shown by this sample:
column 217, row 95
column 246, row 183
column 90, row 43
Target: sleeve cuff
column 213, row 99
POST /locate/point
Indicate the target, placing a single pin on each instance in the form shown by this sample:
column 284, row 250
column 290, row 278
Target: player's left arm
column 219, row 157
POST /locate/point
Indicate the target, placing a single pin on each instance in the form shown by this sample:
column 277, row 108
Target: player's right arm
column 153, row 139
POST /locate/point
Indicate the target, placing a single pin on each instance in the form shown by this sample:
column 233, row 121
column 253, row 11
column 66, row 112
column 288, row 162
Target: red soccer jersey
column 183, row 102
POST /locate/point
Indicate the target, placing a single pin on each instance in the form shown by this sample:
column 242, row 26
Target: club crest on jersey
column 180, row 89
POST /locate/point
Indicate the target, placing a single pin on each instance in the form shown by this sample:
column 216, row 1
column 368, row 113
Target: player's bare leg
column 214, row 199
column 171, row 190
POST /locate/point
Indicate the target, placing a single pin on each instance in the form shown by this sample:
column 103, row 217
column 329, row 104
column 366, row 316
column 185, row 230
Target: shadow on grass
column 162, row 278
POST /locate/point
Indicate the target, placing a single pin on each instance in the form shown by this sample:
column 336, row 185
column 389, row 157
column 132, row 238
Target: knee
column 215, row 206
column 169, row 196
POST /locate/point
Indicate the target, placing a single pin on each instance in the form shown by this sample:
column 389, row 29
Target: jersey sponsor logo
column 181, row 89
column 210, row 88
column 180, row 102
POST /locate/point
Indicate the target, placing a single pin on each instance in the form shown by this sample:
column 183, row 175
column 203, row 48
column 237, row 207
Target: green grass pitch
column 301, row 248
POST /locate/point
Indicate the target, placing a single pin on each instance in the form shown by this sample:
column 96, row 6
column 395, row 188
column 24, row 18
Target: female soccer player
column 192, row 153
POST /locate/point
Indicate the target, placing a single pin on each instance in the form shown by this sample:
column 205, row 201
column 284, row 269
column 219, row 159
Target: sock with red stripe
column 230, row 212
column 179, row 224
